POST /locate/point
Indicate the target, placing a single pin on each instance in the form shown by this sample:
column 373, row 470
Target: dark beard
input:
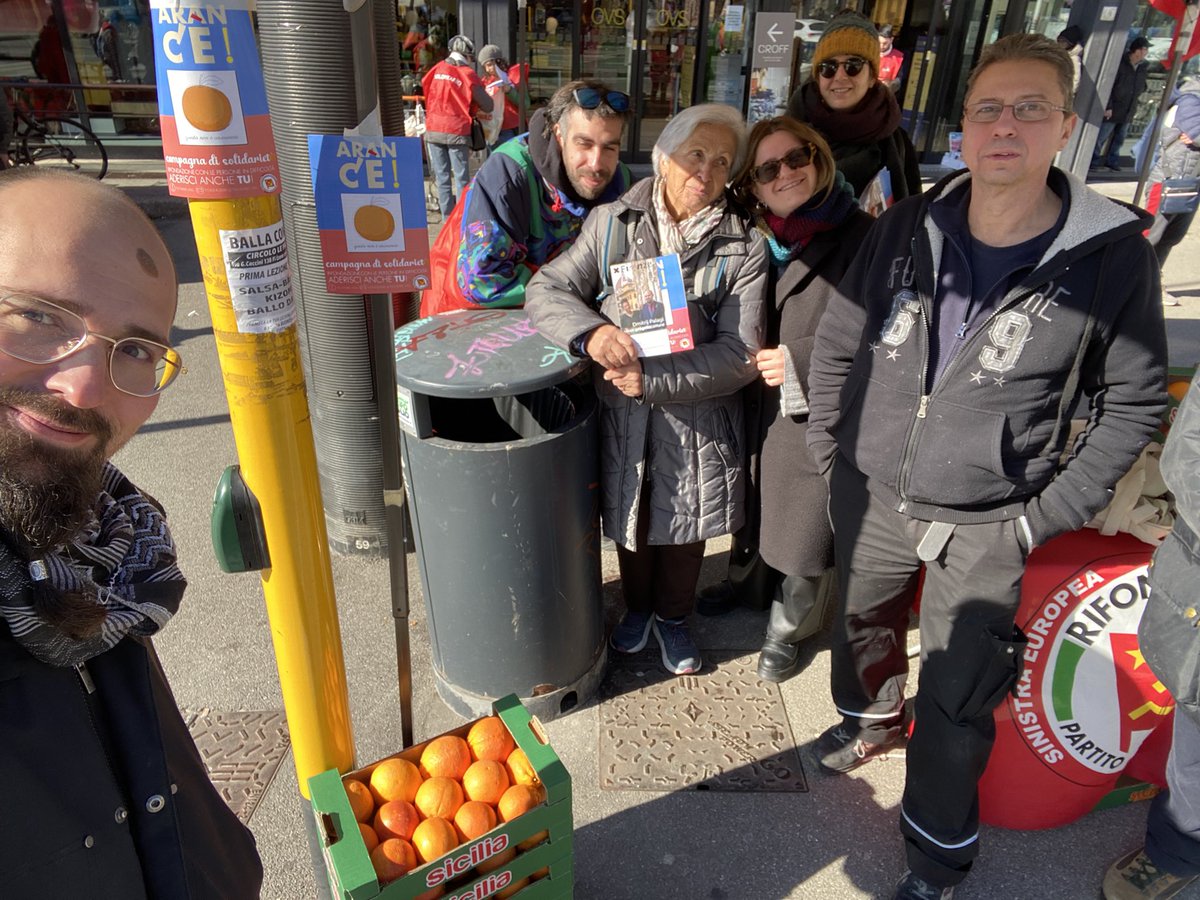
column 47, row 494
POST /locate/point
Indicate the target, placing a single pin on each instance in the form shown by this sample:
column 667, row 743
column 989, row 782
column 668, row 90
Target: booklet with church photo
column 653, row 304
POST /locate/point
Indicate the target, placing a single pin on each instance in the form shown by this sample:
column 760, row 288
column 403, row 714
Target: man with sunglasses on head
column 975, row 320
column 528, row 201
column 113, row 798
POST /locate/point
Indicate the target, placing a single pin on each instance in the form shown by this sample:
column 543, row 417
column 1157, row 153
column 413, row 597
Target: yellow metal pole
column 268, row 408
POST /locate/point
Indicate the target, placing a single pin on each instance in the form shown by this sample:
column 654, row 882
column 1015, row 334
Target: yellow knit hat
column 849, row 34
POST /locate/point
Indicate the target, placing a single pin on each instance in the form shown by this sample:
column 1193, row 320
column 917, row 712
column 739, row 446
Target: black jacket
column 105, row 794
column 985, row 443
column 1127, row 87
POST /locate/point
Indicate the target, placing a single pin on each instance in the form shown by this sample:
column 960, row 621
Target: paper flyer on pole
column 653, row 304
column 370, row 196
column 216, row 129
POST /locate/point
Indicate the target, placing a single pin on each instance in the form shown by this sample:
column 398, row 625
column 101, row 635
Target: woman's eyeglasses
column 793, row 159
column 852, row 67
column 590, row 98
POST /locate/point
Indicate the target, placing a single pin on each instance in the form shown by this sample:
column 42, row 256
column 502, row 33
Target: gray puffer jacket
column 683, row 436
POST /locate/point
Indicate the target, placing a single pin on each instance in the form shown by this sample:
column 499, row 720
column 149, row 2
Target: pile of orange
column 421, row 805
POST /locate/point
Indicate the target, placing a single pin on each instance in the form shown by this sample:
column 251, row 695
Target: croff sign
column 773, row 40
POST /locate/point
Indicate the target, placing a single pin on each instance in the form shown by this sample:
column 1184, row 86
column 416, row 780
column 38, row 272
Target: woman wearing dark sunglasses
column 854, row 111
column 810, row 218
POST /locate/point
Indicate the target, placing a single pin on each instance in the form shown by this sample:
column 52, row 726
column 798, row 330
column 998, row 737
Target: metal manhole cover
column 242, row 752
column 722, row 729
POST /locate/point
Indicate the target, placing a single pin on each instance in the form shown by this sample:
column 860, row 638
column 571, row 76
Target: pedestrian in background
column 1128, row 85
column 501, row 82
column 854, row 111
column 1178, row 157
column 453, row 92
column 813, row 227
column 891, row 60
column 672, row 471
column 1071, row 39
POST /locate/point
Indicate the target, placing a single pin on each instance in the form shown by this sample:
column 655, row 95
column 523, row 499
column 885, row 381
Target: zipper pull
column 962, row 331
column 924, row 405
column 86, row 678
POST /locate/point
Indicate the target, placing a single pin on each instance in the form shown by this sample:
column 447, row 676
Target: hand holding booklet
column 652, row 304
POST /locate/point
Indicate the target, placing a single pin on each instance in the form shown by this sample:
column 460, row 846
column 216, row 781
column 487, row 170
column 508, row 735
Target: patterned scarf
column 788, row 236
column 676, row 237
column 123, row 561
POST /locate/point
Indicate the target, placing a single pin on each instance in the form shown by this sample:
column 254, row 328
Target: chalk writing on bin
column 486, row 347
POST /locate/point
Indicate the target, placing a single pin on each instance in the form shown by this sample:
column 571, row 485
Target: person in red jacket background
column 452, row 93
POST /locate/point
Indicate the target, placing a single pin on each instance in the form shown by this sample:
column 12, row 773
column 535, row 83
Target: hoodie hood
column 547, row 159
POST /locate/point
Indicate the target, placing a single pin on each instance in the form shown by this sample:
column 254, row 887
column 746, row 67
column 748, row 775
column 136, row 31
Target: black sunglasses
column 794, row 159
column 590, row 98
column 853, row 66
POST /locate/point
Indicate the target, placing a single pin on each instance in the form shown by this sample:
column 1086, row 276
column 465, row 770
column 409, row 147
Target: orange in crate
column 489, row 739
column 393, row 858
column 361, row 801
column 518, row 800
column 513, row 888
column 370, row 838
column 474, row 819
column 395, row 779
column 433, row 838
column 447, row 756
column 396, row 819
column 496, row 860
column 439, row 796
column 485, row 780
column 519, row 769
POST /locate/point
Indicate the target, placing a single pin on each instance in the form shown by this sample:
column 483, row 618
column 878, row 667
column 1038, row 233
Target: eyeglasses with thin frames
column 796, row 158
column 987, row 111
column 37, row 331
column 852, row 66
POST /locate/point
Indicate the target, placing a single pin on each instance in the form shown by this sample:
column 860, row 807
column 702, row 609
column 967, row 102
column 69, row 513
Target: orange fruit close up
column 447, row 756
column 393, row 858
column 433, row 838
column 496, row 860
column 395, row 779
column 370, row 838
column 474, row 819
column 396, row 819
column 485, row 780
column 512, row 888
column 520, row 770
column 489, row 739
column 519, row 799
column 439, row 796
column 362, row 804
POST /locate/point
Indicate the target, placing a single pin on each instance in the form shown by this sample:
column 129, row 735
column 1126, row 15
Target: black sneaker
column 910, row 887
column 839, row 752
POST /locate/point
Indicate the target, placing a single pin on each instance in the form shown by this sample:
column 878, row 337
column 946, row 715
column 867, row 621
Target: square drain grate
column 242, row 752
column 722, row 729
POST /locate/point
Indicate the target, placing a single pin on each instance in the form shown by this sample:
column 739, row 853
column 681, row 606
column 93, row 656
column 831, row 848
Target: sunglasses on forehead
column 797, row 158
column 852, row 67
column 590, row 98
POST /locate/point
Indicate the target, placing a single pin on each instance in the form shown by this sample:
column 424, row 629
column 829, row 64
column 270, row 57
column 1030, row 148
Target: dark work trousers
column 659, row 578
column 1173, row 827
column 970, row 658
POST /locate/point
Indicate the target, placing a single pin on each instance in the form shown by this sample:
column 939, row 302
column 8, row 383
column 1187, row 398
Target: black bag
column 477, row 140
column 1180, row 195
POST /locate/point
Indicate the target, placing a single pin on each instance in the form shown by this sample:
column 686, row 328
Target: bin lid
column 479, row 353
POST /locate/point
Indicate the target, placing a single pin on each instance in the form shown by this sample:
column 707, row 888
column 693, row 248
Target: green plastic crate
column 348, row 865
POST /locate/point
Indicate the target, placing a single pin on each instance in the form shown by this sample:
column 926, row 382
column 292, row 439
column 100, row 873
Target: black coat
column 126, row 815
column 1127, row 87
column 794, row 534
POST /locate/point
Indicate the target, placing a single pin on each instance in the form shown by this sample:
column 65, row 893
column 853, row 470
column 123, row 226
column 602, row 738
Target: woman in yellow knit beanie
column 845, row 101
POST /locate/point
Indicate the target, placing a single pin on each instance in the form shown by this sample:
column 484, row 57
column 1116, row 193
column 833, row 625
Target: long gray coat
column 683, row 436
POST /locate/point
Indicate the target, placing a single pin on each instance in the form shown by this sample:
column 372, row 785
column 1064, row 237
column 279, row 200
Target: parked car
column 810, row 30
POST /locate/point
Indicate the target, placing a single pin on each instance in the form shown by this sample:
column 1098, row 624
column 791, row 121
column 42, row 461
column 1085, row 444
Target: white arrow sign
column 772, row 32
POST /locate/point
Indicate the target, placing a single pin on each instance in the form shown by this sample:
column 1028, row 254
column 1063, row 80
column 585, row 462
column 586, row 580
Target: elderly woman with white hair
column 672, row 470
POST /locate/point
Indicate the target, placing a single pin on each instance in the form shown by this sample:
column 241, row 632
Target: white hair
column 681, row 126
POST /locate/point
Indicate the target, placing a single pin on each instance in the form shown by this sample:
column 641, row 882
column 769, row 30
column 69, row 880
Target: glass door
column 668, row 41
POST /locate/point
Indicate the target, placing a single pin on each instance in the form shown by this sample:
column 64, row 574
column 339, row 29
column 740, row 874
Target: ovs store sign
column 1086, row 700
column 216, row 129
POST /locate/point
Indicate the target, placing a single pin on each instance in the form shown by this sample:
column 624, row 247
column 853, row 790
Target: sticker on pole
column 370, row 196
column 260, row 283
column 216, row 129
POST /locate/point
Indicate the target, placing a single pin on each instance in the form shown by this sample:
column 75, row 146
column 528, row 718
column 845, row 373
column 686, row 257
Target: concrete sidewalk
column 836, row 840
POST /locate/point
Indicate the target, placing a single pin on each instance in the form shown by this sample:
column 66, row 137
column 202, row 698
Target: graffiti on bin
column 486, row 347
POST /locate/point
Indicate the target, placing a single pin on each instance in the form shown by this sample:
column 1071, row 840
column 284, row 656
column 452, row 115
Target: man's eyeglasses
column 1025, row 111
column 796, row 158
column 40, row 332
column 590, row 98
column 851, row 66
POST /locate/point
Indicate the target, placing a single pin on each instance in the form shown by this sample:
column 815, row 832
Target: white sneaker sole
column 667, row 664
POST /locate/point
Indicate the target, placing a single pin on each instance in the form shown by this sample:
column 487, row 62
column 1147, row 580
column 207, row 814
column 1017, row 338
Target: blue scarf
column 788, row 236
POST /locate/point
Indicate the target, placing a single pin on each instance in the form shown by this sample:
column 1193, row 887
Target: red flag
column 1175, row 9
column 1141, row 697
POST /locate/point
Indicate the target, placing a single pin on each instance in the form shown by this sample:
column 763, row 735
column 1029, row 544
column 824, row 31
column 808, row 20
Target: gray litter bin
column 499, row 443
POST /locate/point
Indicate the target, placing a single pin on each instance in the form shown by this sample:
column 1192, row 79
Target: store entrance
column 648, row 49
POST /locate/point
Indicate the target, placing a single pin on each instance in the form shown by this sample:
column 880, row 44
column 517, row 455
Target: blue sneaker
column 632, row 632
column 680, row 654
